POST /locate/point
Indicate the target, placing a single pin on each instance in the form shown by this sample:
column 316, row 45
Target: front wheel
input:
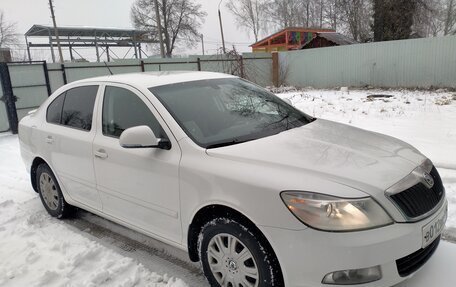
column 232, row 256
column 50, row 193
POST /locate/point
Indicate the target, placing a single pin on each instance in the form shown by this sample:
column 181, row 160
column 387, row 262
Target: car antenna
column 106, row 64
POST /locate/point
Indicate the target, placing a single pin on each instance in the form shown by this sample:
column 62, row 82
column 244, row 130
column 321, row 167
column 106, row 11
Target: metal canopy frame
column 102, row 39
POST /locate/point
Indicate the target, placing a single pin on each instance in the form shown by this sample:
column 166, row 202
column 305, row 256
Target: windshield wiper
column 226, row 143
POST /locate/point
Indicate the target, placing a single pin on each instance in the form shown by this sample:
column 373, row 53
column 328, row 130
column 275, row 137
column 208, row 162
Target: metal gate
column 4, row 124
column 25, row 85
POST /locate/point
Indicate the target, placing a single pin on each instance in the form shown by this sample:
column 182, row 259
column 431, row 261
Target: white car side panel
column 27, row 133
column 252, row 190
column 68, row 151
column 71, row 157
column 140, row 186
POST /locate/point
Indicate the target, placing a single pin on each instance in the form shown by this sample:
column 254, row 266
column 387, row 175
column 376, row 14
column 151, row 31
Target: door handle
column 49, row 140
column 101, row 153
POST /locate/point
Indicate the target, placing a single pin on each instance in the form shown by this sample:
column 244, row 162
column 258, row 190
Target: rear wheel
column 51, row 194
column 233, row 257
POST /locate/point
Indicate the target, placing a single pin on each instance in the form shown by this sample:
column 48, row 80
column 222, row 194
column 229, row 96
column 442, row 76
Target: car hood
column 331, row 151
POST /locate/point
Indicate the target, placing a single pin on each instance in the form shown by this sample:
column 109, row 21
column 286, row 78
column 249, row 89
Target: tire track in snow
column 153, row 254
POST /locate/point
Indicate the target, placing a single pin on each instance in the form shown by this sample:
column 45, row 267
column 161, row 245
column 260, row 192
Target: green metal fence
column 417, row 63
column 28, row 84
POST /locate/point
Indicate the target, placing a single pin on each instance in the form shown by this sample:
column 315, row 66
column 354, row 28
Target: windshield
column 221, row 112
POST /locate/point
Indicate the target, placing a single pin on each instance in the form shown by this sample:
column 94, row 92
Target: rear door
column 68, row 136
column 137, row 186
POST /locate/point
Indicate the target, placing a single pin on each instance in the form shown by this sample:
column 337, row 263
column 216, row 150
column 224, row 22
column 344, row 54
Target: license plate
column 433, row 229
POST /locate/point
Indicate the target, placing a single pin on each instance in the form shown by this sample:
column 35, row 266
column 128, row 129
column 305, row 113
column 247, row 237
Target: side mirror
column 142, row 137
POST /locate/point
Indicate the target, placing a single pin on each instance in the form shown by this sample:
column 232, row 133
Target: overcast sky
column 116, row 13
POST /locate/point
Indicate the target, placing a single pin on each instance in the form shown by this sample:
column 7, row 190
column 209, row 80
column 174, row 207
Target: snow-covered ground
column 37, row 250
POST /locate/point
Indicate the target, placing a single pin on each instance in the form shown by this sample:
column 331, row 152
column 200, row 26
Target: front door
column 137, row 186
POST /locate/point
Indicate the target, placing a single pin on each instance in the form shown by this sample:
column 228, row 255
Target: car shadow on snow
column 157, row 256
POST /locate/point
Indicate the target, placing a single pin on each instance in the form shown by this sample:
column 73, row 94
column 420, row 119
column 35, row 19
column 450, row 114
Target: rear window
column 54, row 110
column 74, row 108
column 78, row 107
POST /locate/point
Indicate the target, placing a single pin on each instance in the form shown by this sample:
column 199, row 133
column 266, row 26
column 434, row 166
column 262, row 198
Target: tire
column 51, row 194
column 232, row 256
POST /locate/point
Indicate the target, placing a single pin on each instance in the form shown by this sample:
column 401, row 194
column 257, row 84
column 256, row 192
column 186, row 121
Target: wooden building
column 328, row 39
column 292, row 38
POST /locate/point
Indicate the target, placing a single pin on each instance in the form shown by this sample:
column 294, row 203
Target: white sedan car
column 259, row 192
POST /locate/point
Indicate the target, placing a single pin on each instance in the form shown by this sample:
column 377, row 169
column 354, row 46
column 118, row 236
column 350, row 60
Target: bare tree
column 365, row 20
column 330, row 13
column 321, row 5
column 8, row 32
column 290, row 13
column 435, row 17
column 428, row 18
column 180, row 21
column 285, row 13
column 249, row 14
column 356, row 15
column 450, row 17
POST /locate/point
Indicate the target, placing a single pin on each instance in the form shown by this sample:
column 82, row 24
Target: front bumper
column 306, row 256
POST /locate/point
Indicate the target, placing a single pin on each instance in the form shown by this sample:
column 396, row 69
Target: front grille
column 409, row 264
column 418, row 199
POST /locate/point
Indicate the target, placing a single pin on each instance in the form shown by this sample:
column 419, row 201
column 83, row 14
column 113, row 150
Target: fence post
column 46, row 77
column 241, row 61
column 65, row 80
column 143, row 69
column 8, row 97
column 275, row 69
column 198, row 62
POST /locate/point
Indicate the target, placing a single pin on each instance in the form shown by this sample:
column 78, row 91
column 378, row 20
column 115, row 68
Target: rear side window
column 78, row 107
column 54, row 110
column 123, row 109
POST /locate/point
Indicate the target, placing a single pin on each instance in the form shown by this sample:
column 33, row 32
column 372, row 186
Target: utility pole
column 56, row 31
column 221, row 27
column 202, row 43
column 160, row 35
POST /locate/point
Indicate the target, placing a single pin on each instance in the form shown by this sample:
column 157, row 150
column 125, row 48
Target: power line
column 231, row 42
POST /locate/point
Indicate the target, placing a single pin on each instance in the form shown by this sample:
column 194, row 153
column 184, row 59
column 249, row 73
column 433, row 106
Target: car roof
column 154, row 79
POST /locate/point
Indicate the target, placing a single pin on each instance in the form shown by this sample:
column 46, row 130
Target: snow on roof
column 82, row 31
column 300, row 29
column 333, row 37
column 337, row 38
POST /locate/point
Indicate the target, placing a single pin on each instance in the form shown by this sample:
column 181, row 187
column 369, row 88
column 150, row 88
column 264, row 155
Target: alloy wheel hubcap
column 232, row 265
column 49, row 191
column 231, row 262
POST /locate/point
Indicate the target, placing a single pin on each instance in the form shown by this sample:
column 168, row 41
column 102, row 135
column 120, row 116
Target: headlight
column 331, row 213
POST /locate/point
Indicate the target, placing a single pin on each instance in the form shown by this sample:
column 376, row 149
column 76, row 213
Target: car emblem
column 428, row 180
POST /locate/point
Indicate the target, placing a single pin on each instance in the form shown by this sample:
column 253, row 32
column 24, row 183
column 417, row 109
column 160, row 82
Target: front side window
column 78, row 107
column 123, row 109
column 221, row 112
column 54, row 110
